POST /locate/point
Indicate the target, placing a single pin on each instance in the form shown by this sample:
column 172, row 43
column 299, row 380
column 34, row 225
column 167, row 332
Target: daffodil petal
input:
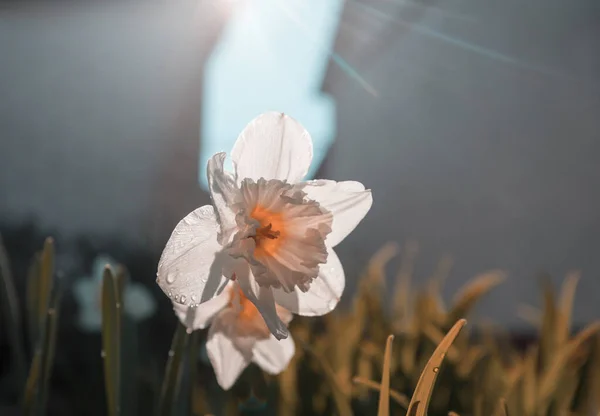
column 223, row 192
column 190, row 267
column 273, row 146
column 199, row 317
column 324, row 292
column 348, row 201
column 273, row 355
column 227, row 361
column 262, row 298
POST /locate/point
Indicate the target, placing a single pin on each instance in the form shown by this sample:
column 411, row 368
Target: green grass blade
column 111, row 341
column 49, row 346
column 32, row 301
column 10, row 311
column 172, row 379
column 193, row 358
column 32, row 384
column 37, row 385
column 46, row 278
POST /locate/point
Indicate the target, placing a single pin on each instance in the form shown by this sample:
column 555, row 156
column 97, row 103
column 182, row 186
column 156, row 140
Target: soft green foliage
column 172, row 382
column 11, row 317
column 368, row 359
column 44, row 298
column 112, row 317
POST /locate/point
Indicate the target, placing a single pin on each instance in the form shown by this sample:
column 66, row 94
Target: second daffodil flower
column 267, row 229
column 238, row 335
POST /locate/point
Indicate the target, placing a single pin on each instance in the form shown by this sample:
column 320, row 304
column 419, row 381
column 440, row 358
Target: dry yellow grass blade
column 408, row 352
column 436, row 284
column 552, row 375
column 589, row 395
column 530, row 314
column 398, row 397
column 502, row 409
column 530, row 382
column 478, row 404
column 549, row 325
column 340, row 354
column 565, row 393
column 376, row 267
column 369, row 300
column 384, row 392
column 472, row 292
column 342, row 401
column 401, row 304
column 470, row 360
column 436, row 336
column 364, row 370
column 288, row 387
column 422, row 394
column 567, row 298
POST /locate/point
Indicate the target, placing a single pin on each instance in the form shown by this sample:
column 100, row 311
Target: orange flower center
column 249, row 320
column 248, row 311
column 271, row 233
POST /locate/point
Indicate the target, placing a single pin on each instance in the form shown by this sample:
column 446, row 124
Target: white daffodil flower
column 139, row 303
column 266, row 229
column 238, row 335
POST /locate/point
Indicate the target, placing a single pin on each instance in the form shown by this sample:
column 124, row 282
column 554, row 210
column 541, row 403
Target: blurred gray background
column 479, row 133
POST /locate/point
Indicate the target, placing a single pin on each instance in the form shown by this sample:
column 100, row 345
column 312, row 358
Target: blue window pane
column 272, row 56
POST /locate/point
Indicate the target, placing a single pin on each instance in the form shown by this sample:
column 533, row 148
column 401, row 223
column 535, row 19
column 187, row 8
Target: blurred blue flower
column 138, row 302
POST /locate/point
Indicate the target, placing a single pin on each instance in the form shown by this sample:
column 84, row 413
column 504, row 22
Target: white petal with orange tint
column 262, row 298
column 273, row 146
column 272, row 355
column 190, row 267
column 324, row 292
column 223, row 192
column 227, row 360
column 348, row 201
column 199, row 317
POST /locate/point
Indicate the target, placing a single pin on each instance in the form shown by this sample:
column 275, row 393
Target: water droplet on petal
column 204, row 279
column 436, row 369
column 194, row 298
column 170, row 294
column 176, row 298
column 443, row 355
column 183, row 299
column 170, row 278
